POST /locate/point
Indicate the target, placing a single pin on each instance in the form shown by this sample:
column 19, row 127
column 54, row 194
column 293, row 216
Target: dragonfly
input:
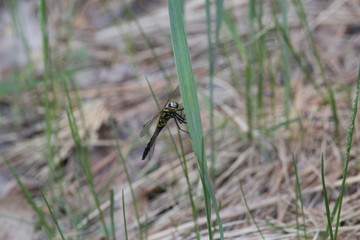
column 171, row 110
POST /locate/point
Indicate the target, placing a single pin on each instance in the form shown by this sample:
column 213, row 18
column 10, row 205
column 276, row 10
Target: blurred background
column 74, row 97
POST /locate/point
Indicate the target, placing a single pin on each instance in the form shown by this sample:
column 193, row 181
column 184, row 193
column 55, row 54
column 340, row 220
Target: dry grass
column 263, row 166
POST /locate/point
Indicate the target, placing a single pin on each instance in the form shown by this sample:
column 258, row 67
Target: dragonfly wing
column 148, row 124
column 173, row 95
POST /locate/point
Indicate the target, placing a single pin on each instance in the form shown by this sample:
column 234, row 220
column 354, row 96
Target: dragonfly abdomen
column 152, row 140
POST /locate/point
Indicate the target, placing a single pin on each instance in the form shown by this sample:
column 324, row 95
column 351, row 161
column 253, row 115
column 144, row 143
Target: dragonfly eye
column 173, row 105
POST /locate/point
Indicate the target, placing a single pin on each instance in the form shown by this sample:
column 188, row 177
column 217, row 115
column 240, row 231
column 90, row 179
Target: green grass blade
column 286, row 123
column 334, row 110
column 156, row 57
column 219, row 19
column 326, row 198
column 212, row 46
column 189, row 95
column 250, row 73
column 348, row 143
column 124, row 214
column 211, row 62
column 248, row 70
column 112, row 210
column 49, row 111
column 18, row 22
column 311, row 40
column 194, row 207
column 42, row 218
column 186, row 77
column 52, row 214
column 82, row 153
column 128, row 178
column 206, row 197
column 249, row 211
column 240, row 46
column 298, row 57
column 299, row 197
column 261, row 55
column 45, row 36
column 285, row 62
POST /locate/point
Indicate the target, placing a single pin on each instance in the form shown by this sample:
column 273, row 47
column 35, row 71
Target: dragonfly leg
column 177, row 124
column 181, row 112
column 180, row 118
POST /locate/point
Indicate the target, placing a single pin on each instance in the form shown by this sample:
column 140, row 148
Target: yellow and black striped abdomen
column 165, row 117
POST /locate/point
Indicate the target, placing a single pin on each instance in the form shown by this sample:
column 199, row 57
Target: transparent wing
column 173, row 95
column 148, row 124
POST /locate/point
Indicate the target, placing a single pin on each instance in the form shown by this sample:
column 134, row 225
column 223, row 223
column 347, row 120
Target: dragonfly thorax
column 173, row 105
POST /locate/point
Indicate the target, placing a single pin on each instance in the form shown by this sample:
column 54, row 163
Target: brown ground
column 115, row 88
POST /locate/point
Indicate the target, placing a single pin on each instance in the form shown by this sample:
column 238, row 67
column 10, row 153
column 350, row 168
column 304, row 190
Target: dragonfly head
column 173, row 105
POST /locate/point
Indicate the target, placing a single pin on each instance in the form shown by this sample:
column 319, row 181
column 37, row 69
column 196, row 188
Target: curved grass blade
column 349, row 134
column 326, row 198
column 52, row 214
column 42, row 218
column 188, row 92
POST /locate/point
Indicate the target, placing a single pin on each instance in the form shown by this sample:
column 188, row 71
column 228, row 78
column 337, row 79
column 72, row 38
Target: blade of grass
column 326, row 198
column 194, row 207
column 348, row 143
column 248, row 71
column 285, row 62
column 124, row 214
column 48, row 82
column 311, row 40
column 24, row 74
column 42, row 218
column 211, row 62
column 212, row 46
column 299, row 197
column 296, row 207
column 112, row 210
column 52, row 214
column 128, row 178
column 250, row 67
column 272, row 129
column 17, row 219
column 240, row 46
column 303, row 19
column 249, row 211
column 350, row 131
column 334, row 110
column 219, row 19
column 298, row 57
column 206, row 193
column 189, row 95
column 148, row 42
column 261, row 47
column 82, row 153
